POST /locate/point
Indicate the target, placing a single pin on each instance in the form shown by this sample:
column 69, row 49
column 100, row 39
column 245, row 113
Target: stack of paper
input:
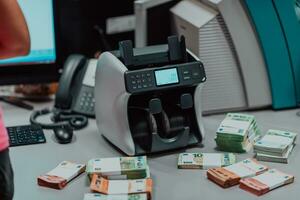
column 232, row 174
column 120, row 177
column 265, row 182
column 237, row 133
column 113, row 187
column 97, row 196
column 61, row 175
column 275, row 146
column 119, row 167
column 204, row 160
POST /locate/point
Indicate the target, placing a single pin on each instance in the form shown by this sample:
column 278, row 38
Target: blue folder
column 272, row 40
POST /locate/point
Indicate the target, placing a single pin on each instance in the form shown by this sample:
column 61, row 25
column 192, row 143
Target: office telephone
column 74, row 99
column 76, row 86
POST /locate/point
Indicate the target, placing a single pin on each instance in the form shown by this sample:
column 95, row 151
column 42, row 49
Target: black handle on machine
column 126, row 52
column 177, row 49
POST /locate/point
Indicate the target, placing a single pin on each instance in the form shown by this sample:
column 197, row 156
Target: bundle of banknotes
column 237, row 133
column 119, row 167
column 205, row 160
column 265, row 182
column 275, row 146
column 120, row 177
column 61, row 175
column 113, row 187
column 232, row 174
column 97, row 196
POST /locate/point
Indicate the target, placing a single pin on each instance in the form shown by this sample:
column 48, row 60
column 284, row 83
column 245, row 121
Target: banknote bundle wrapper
column 237, row 133
column 265, row 182
column 61, row 175
column 97, row 196
column 275, row 146
column 232, row 174
column 205, row 160
column 119, row 167
column 113, row 187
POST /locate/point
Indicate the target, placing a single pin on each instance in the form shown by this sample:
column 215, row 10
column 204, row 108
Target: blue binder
column 274, row 48
column 291, row 29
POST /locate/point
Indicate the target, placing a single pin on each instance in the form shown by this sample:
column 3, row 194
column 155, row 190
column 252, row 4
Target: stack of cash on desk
column 205, row 160
column 125, row 176
column 275, row 146
column 265, row 182
column 97, row 196
column 61, row 175
column 119, row 167
column 232, row 174
column 237, row 133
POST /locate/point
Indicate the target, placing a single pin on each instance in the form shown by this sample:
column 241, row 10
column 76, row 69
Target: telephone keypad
column 85, row 103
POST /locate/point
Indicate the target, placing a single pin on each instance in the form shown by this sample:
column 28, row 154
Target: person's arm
column 14, row 34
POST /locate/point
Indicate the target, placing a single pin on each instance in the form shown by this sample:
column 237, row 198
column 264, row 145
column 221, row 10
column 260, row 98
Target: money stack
column 61, row 175
column 97, row 196
column 205, row 160
column 265, row 182
column 113, row 187
column 232, row 174
column 237, row 133
column 275, row 146
column 120, row 176
column 119, row 167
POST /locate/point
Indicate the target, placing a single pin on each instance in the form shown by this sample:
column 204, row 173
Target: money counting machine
column 148, row 99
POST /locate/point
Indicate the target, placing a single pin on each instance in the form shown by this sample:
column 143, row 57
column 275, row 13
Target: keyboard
column 25, row 135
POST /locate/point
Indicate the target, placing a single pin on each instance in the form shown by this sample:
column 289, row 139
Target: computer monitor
column 40, row 64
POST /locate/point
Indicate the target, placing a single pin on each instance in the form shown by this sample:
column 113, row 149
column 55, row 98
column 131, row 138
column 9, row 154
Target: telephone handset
column 76, row 86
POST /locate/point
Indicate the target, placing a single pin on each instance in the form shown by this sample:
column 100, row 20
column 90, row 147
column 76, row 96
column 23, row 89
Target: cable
column 60, row 119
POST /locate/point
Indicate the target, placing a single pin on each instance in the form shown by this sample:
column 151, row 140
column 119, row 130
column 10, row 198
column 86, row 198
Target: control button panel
column 138, row 81
column 186, row 73
column 192, row 74
column 159, row 78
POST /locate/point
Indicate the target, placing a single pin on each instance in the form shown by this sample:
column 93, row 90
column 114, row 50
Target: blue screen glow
column 40, row 21
column 166, row 76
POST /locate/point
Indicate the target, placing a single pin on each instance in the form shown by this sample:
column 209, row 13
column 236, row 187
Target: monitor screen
column 166, row 76
column 40, row 22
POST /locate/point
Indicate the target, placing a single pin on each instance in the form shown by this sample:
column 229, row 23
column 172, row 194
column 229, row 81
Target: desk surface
column 169, row 182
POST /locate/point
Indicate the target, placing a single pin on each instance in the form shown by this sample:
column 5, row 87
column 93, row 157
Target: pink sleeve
column 3, row 133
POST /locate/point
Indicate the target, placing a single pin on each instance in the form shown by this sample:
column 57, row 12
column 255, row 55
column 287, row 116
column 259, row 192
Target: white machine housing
column 112, row 98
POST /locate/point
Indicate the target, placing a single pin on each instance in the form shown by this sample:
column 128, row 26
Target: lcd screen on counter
column 166, row 76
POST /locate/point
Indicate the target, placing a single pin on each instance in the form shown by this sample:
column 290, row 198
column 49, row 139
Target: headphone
column 61, row 119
